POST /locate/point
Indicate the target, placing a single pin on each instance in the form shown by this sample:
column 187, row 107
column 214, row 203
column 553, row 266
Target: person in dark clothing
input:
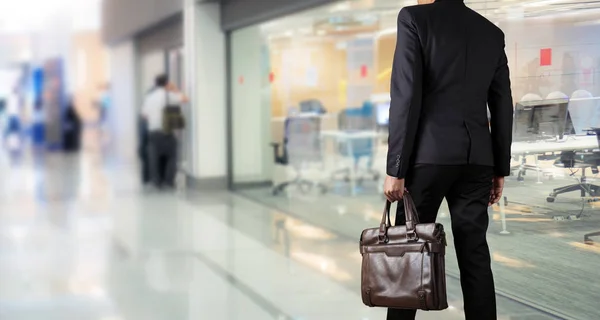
column 142, row 149
column 161, row 145
column 449, row 67
column 72, row 129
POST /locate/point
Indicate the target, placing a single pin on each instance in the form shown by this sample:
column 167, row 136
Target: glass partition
column 310, row 111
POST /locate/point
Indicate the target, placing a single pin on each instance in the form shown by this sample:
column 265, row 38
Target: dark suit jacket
column 449, row 67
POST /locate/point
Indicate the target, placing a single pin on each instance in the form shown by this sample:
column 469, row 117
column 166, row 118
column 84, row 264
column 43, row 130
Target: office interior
column 309, row 115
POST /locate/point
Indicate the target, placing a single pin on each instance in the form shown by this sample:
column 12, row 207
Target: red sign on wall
column 241, row 80
column 545, row 57
column 364, row 71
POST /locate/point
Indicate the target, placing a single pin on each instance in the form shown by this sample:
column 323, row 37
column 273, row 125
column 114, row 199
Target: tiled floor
column 80, row 239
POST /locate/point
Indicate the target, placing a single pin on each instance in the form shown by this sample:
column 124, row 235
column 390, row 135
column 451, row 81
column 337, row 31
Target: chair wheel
column 550, row 199
column 520, row 179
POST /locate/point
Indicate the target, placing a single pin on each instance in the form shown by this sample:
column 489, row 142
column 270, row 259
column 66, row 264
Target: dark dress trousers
column 449, row 68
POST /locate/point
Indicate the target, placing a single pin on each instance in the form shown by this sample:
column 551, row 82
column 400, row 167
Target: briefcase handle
column 412, row 219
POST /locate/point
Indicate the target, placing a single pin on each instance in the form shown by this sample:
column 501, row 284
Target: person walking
column 449, row 68
column 161, row 145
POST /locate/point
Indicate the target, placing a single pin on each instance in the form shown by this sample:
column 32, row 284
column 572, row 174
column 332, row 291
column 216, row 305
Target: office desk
column 346, row 137
column 541, row 147
column 536, row 148
column 572, row 143
column 349, row 135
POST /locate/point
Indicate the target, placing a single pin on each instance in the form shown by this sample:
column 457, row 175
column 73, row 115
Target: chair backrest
column 531, row 97
column 303, row 138
column 362, row 118
column 556, row 95
column 584, row 111
column 358, row 119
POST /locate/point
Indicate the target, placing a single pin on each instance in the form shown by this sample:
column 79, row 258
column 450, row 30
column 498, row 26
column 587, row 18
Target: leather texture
column 403, row 267
column 172, row 116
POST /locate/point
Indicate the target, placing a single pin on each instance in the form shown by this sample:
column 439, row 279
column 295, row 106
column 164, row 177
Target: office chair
column 522, row 167
column 301, row 148
column 580, row 113
column 358, row 119
column 587, row 238
column 581, row 161
column 583, row 109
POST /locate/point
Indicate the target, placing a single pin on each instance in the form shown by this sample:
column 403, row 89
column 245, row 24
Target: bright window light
column 25, row 16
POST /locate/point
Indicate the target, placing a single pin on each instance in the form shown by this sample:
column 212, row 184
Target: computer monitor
column 535, row 120
column 312, row 106
column 382, row 112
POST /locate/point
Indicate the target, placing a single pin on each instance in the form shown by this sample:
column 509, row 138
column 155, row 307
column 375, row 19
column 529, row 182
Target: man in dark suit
column 449, row 68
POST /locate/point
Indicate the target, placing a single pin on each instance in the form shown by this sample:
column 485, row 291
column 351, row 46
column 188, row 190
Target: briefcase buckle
column 412, row 236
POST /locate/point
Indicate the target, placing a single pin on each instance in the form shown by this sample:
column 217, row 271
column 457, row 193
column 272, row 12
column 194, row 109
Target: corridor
column 81, row 239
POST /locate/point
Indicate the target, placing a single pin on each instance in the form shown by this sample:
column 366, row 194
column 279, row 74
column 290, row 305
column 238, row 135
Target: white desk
column 536, row 148
column 541, row 147
column 350, row 135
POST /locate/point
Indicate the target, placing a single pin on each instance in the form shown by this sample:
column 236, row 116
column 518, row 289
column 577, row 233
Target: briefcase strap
column 412, row 219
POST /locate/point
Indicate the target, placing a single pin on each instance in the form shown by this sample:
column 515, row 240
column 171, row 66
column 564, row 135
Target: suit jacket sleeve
column 406, row 95
column 501, row 111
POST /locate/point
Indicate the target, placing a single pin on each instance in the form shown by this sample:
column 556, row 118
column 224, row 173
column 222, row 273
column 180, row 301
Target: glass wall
column 310, row 96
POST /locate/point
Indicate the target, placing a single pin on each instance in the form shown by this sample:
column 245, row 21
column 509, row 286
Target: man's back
column 462, row 69
column 449, row 66
column 154, row 104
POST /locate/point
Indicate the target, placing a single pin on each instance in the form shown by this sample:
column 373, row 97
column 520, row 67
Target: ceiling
column 26, row 16
column 359, row 16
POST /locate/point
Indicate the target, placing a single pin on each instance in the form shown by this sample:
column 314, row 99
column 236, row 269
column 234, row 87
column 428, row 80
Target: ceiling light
column 541, row 3
column 344, row 6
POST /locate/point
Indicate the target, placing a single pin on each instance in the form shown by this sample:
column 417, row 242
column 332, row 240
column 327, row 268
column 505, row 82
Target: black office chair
column 588, row 237
column 582, row 161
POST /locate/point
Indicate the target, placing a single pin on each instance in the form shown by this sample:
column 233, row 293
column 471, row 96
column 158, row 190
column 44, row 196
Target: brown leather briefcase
column 403, row 267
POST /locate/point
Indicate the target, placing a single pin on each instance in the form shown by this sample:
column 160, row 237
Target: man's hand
column 496, row 192
column 172, row 87
column 393, row 188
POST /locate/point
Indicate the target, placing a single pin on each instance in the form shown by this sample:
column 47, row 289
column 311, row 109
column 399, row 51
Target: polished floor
column 81, row 239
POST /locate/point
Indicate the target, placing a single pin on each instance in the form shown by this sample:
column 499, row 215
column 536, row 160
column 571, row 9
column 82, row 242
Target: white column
column 122, row 115
column 204, row 61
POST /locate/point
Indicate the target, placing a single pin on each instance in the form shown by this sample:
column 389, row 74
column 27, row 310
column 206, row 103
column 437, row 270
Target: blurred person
column 13, row 122
column 104, row 102
column 72, row 128
column 38, row 128
column 161, row 145
column 142, row 150
column 449, row 62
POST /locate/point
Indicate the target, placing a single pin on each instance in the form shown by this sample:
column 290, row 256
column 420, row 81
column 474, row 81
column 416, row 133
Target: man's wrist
column 394, row 177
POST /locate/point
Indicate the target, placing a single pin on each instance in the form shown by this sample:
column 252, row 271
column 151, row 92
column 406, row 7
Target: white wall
column 151, row 65
column 122, row 116
column 204, row 61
